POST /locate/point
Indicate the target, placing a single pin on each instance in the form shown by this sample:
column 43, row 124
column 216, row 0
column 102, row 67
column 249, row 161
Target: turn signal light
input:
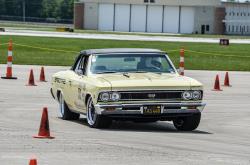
column 192, row 107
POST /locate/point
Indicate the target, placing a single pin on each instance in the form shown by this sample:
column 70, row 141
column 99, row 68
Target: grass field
column 214, row 57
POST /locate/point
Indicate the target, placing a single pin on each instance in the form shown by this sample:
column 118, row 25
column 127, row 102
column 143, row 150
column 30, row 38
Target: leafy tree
column 2, row 8
column 61, row 9
column 50, row 8
column 13, row 8
column 66, row 9
column 33, row 8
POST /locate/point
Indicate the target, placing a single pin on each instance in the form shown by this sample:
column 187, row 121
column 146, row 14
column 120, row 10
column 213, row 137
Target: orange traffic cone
column 9, row 63
column 44, row 131
column 226, row 81
column 33, row 162
column 42, row 75
column 31, row 79
column 217, row 84
column 181, row 65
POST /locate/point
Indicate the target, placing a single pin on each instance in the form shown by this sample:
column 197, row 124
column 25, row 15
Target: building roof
column 120, row 50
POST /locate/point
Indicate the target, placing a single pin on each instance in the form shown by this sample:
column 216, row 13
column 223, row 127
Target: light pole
column 24, row 10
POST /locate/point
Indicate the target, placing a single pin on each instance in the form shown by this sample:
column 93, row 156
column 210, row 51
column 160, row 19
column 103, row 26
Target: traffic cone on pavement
column 44, row 131
column 31, row 79
column 33, row 162
column 9, row 63
column 226, row 81
column 181, row 65
column 217, row 84
column 42, row 75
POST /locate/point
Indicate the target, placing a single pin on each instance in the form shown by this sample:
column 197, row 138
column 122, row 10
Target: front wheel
column 187, row 123
column 94, row 120
column 65, row 112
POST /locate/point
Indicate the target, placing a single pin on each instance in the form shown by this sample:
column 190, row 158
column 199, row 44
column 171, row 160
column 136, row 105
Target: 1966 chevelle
column 140, row 85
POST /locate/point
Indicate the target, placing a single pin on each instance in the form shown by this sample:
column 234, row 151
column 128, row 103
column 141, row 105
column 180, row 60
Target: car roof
column 120, row 50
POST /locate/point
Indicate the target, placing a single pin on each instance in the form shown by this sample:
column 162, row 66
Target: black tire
column 65, row 112
column 94, row 120
column 187, row 123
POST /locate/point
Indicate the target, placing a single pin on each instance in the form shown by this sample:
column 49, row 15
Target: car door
column 77, row 84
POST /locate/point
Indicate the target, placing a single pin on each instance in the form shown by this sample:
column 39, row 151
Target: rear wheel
column 65, row 112
column 94, row 120
column 187, row 123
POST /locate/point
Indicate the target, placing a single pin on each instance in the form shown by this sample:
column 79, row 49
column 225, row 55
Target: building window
column 149, row 1
column 207, row 28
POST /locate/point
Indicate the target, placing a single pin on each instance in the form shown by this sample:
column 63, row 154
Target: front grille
column 150, row 95
column 131, row 108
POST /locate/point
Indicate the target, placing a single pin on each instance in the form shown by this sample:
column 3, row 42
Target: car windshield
column 125, row 63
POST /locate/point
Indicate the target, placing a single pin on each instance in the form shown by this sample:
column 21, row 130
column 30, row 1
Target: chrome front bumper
column 166, row 108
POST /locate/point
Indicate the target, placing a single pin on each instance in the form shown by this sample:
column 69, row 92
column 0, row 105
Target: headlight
column 196, row 95
column 109, row 96
column 187, row 95
column 115, row 96
column 104, row 96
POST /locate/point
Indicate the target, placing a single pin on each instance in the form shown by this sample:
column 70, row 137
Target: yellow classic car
column 140, row 85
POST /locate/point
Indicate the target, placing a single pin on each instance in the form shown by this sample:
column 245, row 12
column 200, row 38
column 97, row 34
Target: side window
column 81, row 66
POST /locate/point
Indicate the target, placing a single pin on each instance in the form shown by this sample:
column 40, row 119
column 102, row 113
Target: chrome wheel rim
column 91, row 113
column 61, row 108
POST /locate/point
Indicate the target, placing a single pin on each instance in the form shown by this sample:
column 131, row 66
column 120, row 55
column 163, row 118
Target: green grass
column 217, row 59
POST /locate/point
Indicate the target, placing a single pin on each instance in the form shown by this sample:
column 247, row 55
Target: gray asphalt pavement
column 222, row 138
column 121, row 36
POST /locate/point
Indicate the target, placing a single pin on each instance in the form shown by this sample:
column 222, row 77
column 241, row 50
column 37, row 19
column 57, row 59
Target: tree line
column 57, row 9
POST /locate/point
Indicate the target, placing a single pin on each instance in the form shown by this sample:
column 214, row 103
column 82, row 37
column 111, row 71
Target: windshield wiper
column 106, row 72
column 145, row 72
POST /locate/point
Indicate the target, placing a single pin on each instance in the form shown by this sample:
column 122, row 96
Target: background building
column 154, row 16
column 237, row 20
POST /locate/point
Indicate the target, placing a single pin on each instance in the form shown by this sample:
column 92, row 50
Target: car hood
column 149, row 81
